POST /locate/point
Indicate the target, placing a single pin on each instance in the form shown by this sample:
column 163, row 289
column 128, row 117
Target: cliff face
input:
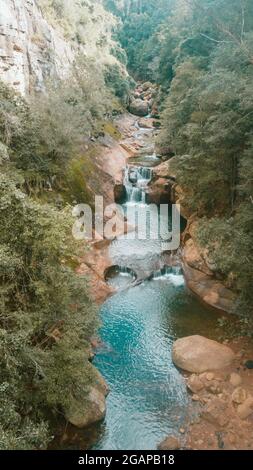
column 33, row 48
column 30, row 49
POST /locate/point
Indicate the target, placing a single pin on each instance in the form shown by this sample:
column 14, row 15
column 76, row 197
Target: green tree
column 46, row 319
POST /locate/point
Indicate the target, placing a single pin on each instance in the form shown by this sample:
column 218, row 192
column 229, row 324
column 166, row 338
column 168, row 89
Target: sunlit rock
column 199, row 354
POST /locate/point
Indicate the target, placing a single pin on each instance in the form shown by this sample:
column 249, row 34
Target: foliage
column 207, row 119
column 140, row 20
column 85, row 22
column 44, row 135
column 46, row 318
column 118, row 82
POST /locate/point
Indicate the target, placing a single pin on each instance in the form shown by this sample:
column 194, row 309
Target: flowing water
column 148, row 398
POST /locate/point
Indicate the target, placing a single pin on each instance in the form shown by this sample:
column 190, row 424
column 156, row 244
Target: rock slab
column 199, row 354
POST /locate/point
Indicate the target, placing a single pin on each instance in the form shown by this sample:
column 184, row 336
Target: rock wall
column 200, row 273
column 30, row 49
column 35, row 43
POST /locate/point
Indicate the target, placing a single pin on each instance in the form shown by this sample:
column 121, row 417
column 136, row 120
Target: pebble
column 195, row 398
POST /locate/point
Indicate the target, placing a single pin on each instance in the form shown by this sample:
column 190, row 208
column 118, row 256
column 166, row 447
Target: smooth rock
column 139, row 107
column 84, row 414
column 245, row 409
column 235, row 379
column 170, row 443
column 195, row 384
column 91, row 408
column 199, row 354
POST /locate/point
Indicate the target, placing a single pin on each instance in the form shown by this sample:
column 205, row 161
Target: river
column 148, row 398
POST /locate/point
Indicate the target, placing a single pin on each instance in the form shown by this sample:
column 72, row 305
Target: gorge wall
column 36, row 42
column 30, row 49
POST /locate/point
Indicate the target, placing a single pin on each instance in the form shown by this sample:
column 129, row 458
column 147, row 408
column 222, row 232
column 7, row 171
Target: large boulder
column 83, row 414
column 91, row 408
column 139, row 107
column 199, row 354
column 208, row 289
column 159, row 192
column 165, row 169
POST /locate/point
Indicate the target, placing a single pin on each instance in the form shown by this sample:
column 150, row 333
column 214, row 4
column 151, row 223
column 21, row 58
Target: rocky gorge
column 216, row 369
column 114, row 338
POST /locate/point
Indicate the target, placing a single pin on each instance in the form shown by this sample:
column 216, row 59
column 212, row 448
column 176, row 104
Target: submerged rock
column 170, row 443
column 199, row 354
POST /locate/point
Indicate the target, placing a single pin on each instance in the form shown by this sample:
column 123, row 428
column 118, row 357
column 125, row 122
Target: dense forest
column 200, row 53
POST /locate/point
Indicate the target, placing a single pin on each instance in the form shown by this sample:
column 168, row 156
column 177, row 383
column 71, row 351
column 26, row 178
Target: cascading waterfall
column 145, row 173
column 136, row 192
column 172, row 273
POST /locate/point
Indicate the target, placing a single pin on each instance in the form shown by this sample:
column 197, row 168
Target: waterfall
column 135, row 195
column 172, row 273
column 136, row 189
column 143, row 197
column 145, row 173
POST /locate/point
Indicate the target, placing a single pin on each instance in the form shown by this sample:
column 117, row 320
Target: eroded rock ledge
column 200, row 272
